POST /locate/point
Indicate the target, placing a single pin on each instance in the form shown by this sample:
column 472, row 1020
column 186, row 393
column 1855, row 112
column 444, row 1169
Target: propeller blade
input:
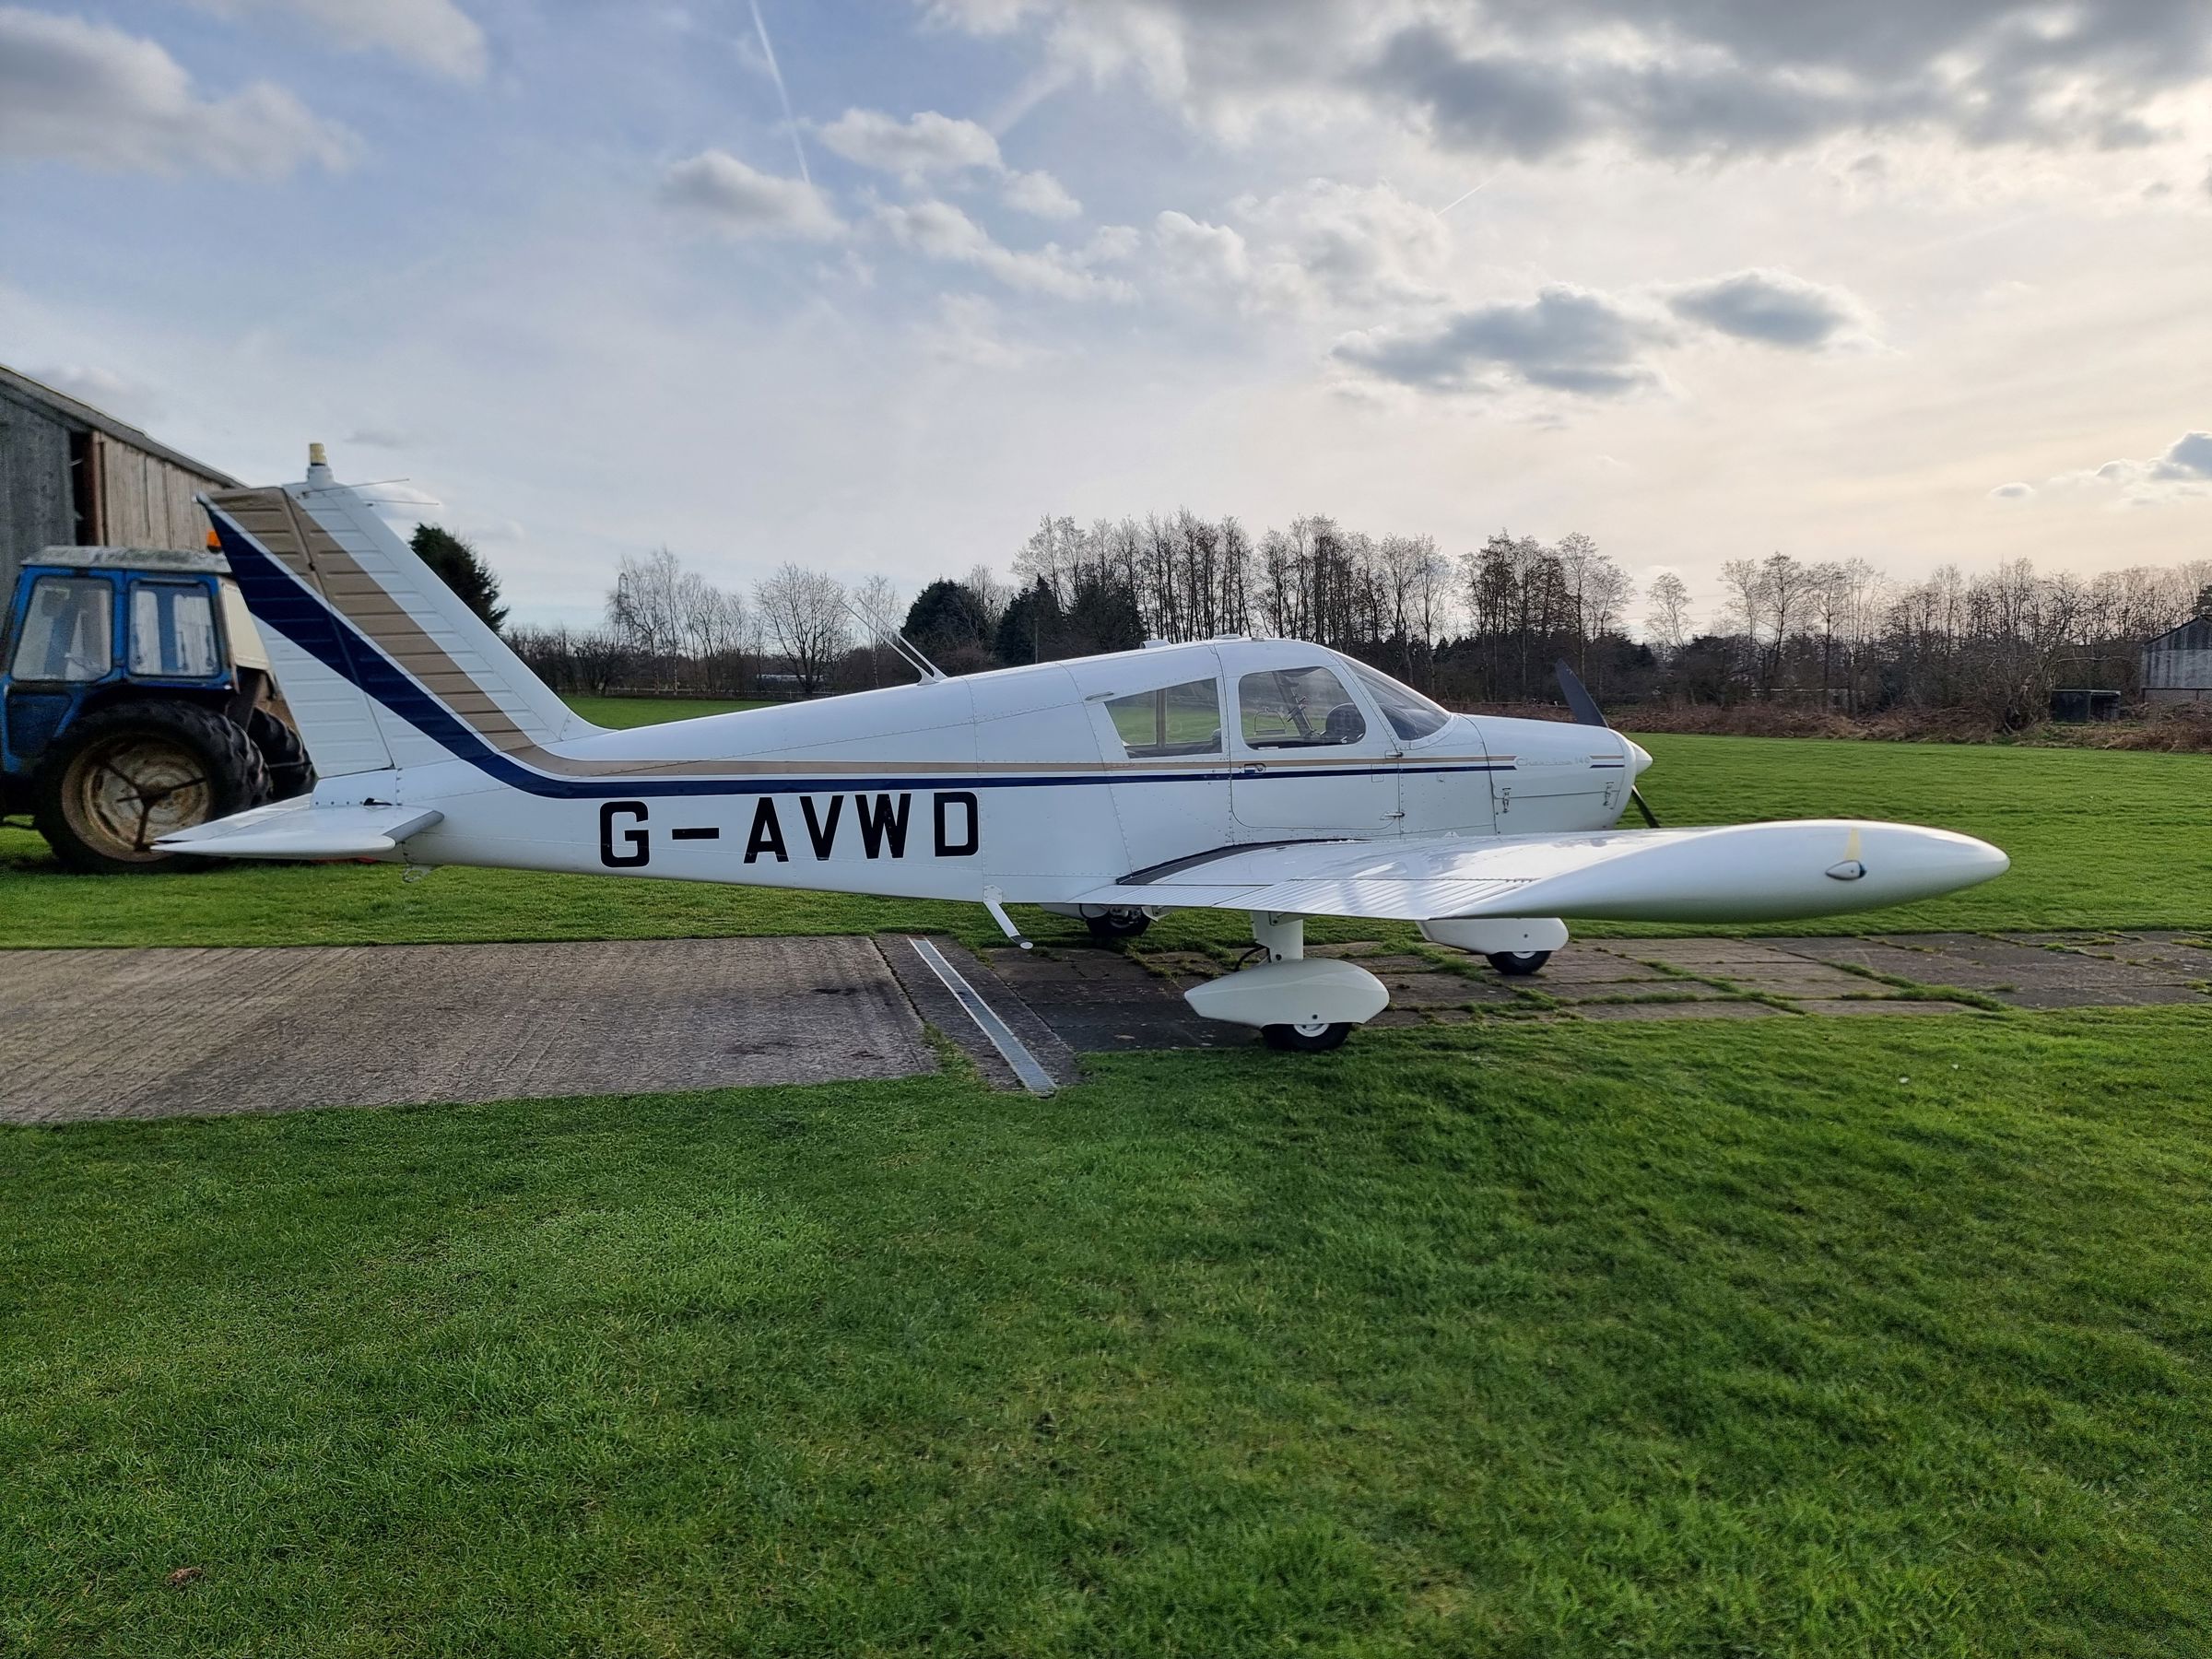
column 1580, row 703
column 1584, row 709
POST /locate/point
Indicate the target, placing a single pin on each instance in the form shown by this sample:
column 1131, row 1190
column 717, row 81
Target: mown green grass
column 2097, row 838
column 619, row 713
column 1809, row 1338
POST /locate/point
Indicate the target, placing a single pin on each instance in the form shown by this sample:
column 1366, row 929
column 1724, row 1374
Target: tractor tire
column 121, row 778
column 282, row 754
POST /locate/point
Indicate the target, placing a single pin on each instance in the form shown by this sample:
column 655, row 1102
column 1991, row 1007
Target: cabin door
column 1309, row 761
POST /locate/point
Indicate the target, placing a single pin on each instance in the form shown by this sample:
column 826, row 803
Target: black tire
column 1117, row 924
column 283, row 756
column 1517, row 964
column 1306, row 1040
column 123, row 776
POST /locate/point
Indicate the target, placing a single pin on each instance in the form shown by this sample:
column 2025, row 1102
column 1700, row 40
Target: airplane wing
column 1737, row 873
column 298, row 829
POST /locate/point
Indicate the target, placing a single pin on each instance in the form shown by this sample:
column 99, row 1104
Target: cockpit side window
column 1172, row 721
column 1411, row 715
column 1297, row 707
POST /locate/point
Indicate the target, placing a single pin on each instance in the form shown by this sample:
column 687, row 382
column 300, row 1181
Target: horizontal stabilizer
column 1735, row 873
column 298, row 829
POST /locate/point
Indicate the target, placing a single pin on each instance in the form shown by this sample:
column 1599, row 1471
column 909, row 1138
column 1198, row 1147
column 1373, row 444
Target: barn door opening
column 86, row 502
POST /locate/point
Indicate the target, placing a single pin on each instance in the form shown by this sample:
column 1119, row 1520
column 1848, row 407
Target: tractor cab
column 135, row 699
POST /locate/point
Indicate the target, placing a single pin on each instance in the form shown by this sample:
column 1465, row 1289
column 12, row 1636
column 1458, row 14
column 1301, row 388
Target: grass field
column 1807, row 1337
column 2055, row 811
column 1817, row 1337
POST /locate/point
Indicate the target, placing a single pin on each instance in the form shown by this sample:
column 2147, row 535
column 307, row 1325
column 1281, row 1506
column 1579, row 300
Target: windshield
column 1411, row 715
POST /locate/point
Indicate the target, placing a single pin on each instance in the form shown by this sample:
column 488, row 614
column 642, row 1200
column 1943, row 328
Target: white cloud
column 432, row 34
column 1671, row 79
column 966, row 331
column 940, row 231
column 926, row 143
column 2012, row 492
column 1040, row 194
column 2183, row 471
column 1198, row 255
column 104, row 389
column 1771, row 308
column 1566, row 339
column 742, row 201
column 1598, row 344
column 1355, row 245
column 84, row 92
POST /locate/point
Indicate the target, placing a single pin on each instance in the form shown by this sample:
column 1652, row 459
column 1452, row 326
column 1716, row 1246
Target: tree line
column 1482, row 628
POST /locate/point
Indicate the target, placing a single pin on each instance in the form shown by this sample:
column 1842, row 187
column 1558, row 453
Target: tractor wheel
column 282, row 753
column 120, row 779
column 1314, row 1039
column 1515, row 964
column 1117, row 924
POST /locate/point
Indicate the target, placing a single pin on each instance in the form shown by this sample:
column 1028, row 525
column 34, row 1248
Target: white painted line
column 1010, row 1048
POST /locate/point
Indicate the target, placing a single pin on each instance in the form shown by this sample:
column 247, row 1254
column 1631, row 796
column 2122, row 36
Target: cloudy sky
column 874, row 286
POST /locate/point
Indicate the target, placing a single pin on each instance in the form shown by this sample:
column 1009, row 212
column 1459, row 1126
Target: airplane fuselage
column 1037, row 783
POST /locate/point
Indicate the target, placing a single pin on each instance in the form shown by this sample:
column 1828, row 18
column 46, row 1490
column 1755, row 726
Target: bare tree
column 1666, row 612
column 802, row 612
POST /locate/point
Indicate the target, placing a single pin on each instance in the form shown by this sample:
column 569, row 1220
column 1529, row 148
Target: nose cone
column 1638, row 757
column 1987, row 862
column 1925, row 862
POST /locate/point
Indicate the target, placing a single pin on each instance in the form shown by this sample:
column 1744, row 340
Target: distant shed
column 2176, row 665
column 70, row 475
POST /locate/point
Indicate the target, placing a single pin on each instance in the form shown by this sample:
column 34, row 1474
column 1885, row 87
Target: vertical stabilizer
column 380, row 662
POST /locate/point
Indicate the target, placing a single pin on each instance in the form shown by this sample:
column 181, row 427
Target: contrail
column 776, row 75
column 1439, row 212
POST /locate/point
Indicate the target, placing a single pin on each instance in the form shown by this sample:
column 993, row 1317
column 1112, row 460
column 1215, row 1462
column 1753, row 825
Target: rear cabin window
column 1411, row 715
column 67, row 630
column 1297, row 708
column 1174, row 720
column 173, row 630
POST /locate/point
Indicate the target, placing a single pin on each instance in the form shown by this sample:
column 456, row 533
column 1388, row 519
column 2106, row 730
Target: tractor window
column 67, row 630
column 173, row 630
column 1297, row 708
column 1175, row 720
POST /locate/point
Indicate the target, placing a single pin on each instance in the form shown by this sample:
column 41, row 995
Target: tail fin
column 380, row 663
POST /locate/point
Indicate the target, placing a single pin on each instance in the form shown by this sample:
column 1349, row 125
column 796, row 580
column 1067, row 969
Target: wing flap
column 301, row 829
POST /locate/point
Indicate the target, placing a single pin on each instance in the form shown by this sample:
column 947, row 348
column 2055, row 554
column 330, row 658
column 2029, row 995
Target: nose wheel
column 1117, row 923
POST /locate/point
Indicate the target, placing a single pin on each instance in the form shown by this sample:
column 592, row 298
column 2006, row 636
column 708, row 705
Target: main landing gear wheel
column 1515, row 964
column 1313, row 1038
column 1117, row 924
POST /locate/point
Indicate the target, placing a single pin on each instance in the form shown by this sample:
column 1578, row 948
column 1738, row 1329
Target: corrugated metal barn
column 2176, row 665
column 73, row 476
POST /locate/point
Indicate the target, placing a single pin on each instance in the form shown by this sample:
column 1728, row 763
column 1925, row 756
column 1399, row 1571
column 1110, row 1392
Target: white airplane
column 1268, row 776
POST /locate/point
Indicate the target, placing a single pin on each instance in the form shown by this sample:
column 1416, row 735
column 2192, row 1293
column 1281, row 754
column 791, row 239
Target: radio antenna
column 881, row 632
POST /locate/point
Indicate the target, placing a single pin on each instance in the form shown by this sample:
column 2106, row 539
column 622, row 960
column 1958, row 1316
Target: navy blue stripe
column 280, row 600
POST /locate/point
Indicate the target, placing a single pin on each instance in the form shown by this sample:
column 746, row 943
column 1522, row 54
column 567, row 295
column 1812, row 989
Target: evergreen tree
column 1032, row 627
column 461, row 570
column 946, row 615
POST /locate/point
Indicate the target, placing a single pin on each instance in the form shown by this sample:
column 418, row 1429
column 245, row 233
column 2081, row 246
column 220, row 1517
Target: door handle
column 1251, row 769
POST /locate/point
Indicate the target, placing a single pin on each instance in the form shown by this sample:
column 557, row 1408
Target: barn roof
column 24, row 389
column 2192, row 635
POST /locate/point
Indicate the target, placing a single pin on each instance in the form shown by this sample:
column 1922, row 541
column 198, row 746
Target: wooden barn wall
column 146, row 502
column 34, row 487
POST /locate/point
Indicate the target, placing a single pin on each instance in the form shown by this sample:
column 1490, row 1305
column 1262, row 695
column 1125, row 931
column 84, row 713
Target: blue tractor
column 135, row 699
